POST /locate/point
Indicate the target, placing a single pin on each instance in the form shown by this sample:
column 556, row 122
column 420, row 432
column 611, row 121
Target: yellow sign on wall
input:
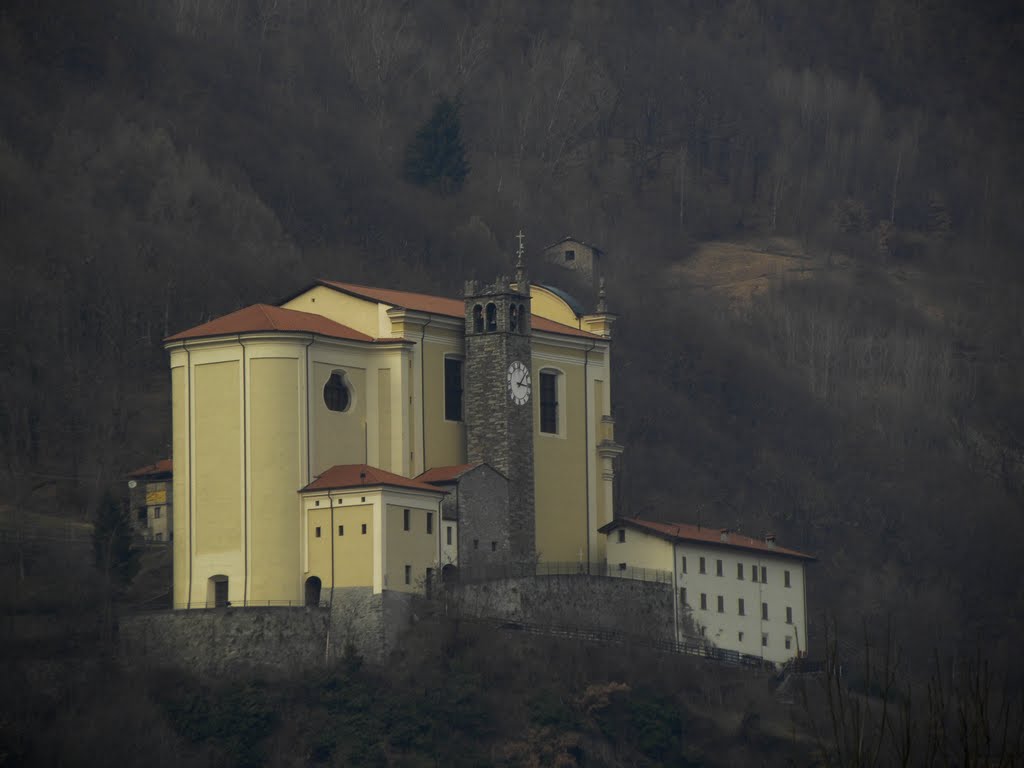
column 156, row 497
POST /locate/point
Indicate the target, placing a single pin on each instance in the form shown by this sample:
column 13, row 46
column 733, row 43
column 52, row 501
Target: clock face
column 519, row 383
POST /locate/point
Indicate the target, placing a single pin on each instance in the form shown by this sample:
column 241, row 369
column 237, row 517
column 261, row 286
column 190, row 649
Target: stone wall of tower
column 499, row 431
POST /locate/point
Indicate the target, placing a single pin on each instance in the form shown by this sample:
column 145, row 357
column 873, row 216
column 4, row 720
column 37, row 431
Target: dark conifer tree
column 436, row 156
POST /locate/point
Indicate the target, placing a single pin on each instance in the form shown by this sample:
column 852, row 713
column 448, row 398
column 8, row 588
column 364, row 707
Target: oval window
column 336, row 394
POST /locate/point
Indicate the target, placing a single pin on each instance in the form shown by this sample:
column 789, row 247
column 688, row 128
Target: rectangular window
column 405, row 519
column 341, row 530
column 430, row 522
column 741, row 637
column 494, row 546
column 789, row 642
column 764, row 611
column 703, row 601
column 741, row 609
column 452, row 389
column 753, row 573
column 549, row 402
column 449, row 535
column 408, row 574
column 622, row 535
column 682, row 595
column 684, row 563
column 703, row 566
column 622, row 566
column 785, row 578
column 364, row 529
column 764, row 575
column 476, row 543
column 318, row 531
column 764, row 640
column 721, row 604
column 570, row 255
column 718, row 567
column 739, row 571
column 156, row 512
column 789, row 615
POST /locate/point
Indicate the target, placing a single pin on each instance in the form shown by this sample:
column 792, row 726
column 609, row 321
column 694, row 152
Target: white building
column 740, row 593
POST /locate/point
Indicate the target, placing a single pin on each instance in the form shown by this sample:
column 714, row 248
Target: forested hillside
column 162, row 163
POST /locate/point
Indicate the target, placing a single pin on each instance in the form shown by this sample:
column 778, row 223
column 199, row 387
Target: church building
column 353, row 436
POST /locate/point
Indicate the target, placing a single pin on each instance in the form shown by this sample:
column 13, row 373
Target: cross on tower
column 520, row 237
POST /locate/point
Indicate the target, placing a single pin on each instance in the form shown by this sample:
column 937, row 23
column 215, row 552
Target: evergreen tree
column 112, row 541
column 436, row 156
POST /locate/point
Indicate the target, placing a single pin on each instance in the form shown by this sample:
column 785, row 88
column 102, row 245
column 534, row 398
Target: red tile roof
column 703, row 535
column 364, row 476
column 264, row 317
column 446, row 474
column 438, row 305
column 161, row 467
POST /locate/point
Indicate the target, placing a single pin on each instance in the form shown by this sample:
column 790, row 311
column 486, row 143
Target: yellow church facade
column 299, row 430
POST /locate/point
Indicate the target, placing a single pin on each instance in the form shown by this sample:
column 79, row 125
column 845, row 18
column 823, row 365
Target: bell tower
column 498, row 395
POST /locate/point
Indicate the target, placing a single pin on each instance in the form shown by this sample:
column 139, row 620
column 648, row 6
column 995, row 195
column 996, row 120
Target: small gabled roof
column 571, row 239
column 438, row 305
column 702, row 535
column 343, row 476
column 161, row 467
column 451, row 474
column 265, row 317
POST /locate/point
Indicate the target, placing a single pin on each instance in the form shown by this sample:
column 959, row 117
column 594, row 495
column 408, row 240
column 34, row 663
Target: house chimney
column 723, row 535
column 769, row 539
column 362, row 477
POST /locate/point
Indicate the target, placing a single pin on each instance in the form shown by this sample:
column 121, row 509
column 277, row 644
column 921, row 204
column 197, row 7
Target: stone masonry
column 499, row 431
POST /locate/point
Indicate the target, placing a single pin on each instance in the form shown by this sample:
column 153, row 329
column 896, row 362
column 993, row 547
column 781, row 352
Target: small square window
column 703, row 566
column 622, row 535
column 408, row 574
column 570, row 255
column 785, row 578
column 363, row 499
column 721, row 604
column 703, row 601
column 364, row 528
column 449, row 535
column 341, row 530
column 405, row 519
column 622, row 566
column 430, row 522
column 718, row 567
column 318, row 531
column 739, row 571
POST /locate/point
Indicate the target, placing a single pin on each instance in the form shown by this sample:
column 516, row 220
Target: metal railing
column 495, row 571
column 212, row 604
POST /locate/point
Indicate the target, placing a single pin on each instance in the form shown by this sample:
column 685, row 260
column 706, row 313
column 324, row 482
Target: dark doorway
column 220, row 591
column 449, row 574
column 313, row 591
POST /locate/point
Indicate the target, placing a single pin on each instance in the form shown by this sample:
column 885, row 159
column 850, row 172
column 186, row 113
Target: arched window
column 478, row 319
column 513, row 318
column 492, row 318
column 336, row 393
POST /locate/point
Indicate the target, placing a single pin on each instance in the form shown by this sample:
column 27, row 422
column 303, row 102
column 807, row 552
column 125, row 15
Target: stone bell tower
column 498, row 395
